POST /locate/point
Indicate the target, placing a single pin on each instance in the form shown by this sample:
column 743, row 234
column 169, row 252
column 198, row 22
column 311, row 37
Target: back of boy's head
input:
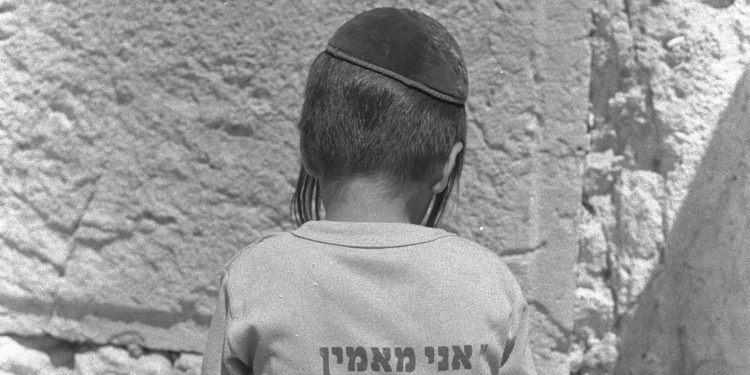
column 385, row 99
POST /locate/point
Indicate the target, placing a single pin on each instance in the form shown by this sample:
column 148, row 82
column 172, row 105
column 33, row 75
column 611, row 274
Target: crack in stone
column 31, row 252
column 561, row 345
column 607, row 276
column 99, row 244
column 515, row 251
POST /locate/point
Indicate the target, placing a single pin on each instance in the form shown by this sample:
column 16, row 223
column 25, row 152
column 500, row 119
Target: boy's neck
column 368, row 199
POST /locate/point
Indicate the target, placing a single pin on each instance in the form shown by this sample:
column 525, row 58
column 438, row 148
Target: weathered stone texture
column 662, row 75
column 133, row 166
column 144, row 143
column 47, row 356
column 525, row 162
column 693, row 318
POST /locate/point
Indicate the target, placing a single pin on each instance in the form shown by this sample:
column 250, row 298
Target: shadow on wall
column 694, row 316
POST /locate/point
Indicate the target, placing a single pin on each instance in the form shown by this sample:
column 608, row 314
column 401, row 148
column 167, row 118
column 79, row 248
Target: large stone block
column 143, row 144
column 694, row 314
column 663, row 73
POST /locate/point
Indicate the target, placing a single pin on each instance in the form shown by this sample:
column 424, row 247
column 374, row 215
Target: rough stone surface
column 48, row 356
column 144, row 143
column 663, row 72
column 18, row 359
column 693, row 319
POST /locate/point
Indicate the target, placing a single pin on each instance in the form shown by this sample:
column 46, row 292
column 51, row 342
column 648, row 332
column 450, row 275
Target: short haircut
column 356, row 122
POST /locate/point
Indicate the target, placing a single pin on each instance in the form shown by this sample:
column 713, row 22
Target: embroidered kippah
column 407, row 46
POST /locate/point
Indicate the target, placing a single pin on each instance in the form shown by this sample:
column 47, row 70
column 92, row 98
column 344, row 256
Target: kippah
column 407, row 46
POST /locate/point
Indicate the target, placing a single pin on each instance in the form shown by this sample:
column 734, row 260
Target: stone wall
column 693, row 316
column 663, row 75
column 143, row 143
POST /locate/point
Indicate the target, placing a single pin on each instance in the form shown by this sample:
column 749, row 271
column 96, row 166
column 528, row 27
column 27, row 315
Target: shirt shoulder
column 482, row 260
column 260, row 251
column 472, row 251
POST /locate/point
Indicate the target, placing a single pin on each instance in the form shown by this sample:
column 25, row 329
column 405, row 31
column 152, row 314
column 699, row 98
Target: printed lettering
column 444, row 353
column 339, row 353
column 381, row 359
column 324, row 354
column 354, row 354
column 429, row 352
column 406, row 358
column 461, row 358
column 402, row 353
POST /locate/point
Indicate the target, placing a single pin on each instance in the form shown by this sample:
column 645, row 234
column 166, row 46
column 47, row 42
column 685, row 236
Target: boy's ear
column 309, row 164
column 445, row 175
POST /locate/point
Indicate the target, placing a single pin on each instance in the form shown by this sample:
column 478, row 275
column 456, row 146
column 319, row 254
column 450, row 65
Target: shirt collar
column 368, row 235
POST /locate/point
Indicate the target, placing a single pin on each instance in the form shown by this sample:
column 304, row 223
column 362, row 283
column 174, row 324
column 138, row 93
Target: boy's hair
column 357, row 122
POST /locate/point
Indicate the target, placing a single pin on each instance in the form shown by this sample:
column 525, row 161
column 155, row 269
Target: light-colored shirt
column 343, row 298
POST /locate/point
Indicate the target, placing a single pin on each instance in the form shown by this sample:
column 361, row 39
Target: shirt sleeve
column 517, row 357
column 218, row 357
